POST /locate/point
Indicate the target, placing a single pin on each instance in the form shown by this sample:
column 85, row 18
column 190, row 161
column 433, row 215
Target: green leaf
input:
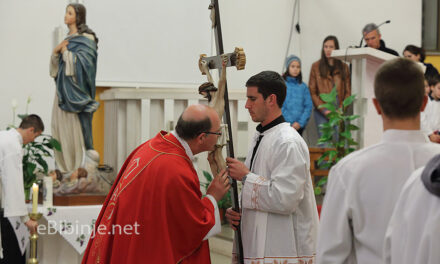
column 346, row 134
column 324, row 139
column 328, row 98
column 353, row 117
column 334, row 91
column 349, row 100
column 321, row 159
column 326, row 165
column 55, row 144
column 318, row 190
column 351, row 142
column 22, row 116
column 334, row 121
column 43, row 164
column 208, row 176
column 334, row 115
column 328, row 106
column 332, row 154
column 30, row 168
column 325, row 125
column 352, row 127
column 322, row 181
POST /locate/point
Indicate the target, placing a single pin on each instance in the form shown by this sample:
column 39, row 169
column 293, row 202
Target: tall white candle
column 34, row 198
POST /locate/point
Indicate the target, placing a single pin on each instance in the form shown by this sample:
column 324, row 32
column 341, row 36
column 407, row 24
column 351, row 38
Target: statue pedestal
column 79, row 199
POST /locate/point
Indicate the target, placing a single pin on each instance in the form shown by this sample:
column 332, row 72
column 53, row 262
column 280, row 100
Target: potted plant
column 336, row 134
column 224, row 203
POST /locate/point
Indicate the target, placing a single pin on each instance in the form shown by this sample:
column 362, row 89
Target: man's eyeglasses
column 214, row 133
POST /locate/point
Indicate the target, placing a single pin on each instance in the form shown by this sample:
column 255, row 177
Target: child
column 298, row 104
column 430, row 118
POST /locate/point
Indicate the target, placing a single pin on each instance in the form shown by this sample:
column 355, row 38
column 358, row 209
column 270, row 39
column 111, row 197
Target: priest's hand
column 233, row 218
column 32, row 226
column 219, row 185
column 236, row 169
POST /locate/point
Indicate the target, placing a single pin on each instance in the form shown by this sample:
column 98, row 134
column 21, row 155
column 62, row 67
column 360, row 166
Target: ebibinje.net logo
column 69, row 228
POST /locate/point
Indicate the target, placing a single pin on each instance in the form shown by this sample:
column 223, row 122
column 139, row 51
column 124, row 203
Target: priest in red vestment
column 155, row 212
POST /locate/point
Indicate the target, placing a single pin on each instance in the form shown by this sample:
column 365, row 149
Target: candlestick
column 33, row 239
column 34, row 198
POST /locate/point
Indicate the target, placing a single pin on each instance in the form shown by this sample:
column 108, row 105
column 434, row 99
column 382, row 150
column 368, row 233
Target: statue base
column 79, row 199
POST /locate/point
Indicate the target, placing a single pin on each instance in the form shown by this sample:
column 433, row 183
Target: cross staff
column 217, row 62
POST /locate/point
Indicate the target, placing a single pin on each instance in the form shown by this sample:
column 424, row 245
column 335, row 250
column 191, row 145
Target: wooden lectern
column 365, row 62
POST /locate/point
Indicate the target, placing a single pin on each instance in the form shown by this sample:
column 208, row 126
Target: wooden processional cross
column 219, row 100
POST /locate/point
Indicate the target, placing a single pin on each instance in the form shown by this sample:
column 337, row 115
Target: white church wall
column 261, row 27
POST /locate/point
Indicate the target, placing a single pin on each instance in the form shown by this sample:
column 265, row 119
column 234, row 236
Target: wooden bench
column 315, row 171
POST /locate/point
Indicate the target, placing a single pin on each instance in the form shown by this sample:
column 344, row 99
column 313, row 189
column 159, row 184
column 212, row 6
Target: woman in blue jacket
column 298, row 104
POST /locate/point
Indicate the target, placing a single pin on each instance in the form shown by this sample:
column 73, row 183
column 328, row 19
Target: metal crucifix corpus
column 215, row 96
column 219, row 99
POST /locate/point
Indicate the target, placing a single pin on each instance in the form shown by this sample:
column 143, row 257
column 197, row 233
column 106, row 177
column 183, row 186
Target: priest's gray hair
column 370, row 27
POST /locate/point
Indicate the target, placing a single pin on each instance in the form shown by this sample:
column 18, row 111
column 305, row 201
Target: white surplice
column 11, row 176
column 430, row 117
column 362, row 191
column 413, row 234
column 279, row 216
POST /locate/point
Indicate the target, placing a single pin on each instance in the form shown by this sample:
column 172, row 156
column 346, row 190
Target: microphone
column 377, row 27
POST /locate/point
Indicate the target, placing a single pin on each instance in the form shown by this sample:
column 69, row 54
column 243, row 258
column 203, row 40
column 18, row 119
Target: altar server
column 279, row 218
column 12, row 188
column 413, row 234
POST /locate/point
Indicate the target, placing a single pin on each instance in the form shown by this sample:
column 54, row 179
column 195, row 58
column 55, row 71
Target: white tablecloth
column 64, row 232
column 74, row 223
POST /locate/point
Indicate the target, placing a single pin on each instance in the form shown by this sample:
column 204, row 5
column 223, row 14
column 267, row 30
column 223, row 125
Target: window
column 430, row 25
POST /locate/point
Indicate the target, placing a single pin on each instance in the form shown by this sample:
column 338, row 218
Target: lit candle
column 34, row 198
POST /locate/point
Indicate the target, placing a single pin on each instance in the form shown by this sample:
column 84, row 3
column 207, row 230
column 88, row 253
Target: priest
column 156, row 199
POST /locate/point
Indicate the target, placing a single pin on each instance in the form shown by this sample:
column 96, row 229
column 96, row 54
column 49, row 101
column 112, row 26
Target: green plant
column 34, row 154
column 336, row 133
column 226, row 201
column 33, row 159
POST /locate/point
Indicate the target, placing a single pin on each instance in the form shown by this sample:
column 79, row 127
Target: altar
column 64, row 232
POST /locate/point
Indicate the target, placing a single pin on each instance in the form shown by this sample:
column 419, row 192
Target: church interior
column 148, row 72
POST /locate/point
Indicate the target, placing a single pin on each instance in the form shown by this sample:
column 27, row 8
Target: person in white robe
column 430, row 117
column 12, row 187
column 364, row 186
column 279, row 218
column 413, row 234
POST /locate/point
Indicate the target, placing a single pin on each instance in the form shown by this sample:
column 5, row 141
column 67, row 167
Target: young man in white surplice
column 279, row 219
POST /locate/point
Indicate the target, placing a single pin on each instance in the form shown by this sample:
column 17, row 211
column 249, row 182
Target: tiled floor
column 219, row 259
column 221, row 246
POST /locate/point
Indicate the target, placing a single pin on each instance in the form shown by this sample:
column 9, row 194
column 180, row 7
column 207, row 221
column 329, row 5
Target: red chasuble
column 156, row 200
